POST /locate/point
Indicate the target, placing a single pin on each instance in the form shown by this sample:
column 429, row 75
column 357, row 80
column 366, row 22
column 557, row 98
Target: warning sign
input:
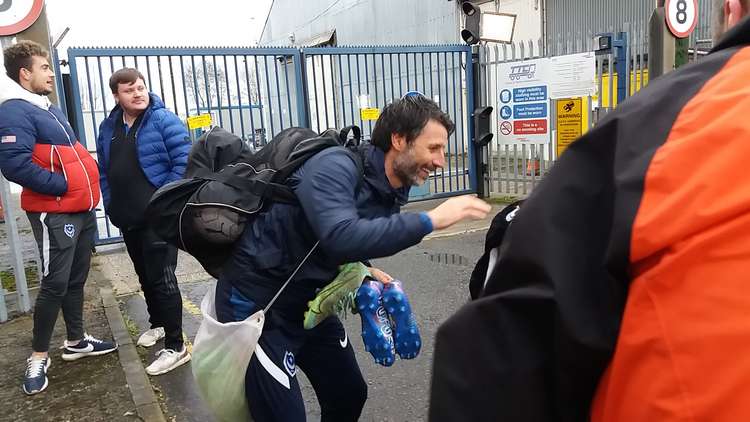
column 369, row 113
column 530, row 127
column 202, row 120
column 569, row 122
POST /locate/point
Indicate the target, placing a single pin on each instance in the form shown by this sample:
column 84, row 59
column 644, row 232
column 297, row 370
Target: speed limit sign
column 18, row 15
column 682, row 16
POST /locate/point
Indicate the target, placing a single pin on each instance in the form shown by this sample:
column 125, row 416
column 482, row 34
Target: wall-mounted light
column 486, row 26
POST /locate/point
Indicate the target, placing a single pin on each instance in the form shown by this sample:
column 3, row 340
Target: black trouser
column 324, row 354
column 155, row 261
column 65, row 242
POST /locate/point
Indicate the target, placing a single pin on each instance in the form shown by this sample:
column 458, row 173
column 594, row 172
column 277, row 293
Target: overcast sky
column 104, row 23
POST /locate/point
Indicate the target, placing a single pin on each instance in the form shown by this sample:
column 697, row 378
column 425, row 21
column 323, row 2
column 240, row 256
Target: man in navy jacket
column 141, row 147
column 40, row 151
column 354, row 217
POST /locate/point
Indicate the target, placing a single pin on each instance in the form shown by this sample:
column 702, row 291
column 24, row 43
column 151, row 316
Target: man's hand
column 456, row 209
column 380, row 275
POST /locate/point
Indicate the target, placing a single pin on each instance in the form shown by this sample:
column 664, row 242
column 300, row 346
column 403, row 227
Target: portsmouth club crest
column 289, row 364
column 70, row 230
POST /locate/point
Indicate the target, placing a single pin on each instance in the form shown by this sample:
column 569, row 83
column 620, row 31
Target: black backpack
column 226, row 184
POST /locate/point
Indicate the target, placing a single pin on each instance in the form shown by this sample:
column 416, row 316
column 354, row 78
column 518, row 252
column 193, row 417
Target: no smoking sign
column 506, row 128
column 18, row 15
column 682, row 16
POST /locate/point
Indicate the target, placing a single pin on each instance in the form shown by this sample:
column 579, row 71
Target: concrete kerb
column 441, row 234
column 144, row 398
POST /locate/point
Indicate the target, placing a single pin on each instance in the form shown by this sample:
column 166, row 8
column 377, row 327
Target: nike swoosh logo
column 89, row 348
column 344, row 342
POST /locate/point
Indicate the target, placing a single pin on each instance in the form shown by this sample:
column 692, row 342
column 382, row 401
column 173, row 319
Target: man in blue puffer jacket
column 141, row 147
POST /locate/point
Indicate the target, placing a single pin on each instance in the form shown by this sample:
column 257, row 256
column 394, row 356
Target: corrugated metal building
column 566, row 19
column 398, row 22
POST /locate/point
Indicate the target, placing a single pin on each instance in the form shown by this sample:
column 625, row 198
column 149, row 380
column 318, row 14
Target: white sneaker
column 150, row 337
column 167, row 360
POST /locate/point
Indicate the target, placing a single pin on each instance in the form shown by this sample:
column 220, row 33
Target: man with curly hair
column 60, row 180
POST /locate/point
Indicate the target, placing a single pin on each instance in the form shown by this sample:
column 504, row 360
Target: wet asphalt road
column 435, row 275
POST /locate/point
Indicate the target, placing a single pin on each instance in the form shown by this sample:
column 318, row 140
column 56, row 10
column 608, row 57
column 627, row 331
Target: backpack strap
column 288, row 280
column 356, row 136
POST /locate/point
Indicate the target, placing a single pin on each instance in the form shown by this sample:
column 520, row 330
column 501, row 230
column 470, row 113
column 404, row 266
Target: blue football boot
column 406, row 331
column 376, row 326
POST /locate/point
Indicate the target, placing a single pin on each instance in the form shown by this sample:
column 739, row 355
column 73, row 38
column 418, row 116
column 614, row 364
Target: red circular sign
column 681, row 16
column 506, row 128
column 18, row 15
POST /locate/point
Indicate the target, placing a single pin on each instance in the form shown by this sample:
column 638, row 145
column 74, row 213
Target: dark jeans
column 155, row 261
column 65, row 242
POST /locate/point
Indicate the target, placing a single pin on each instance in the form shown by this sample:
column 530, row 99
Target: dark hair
column 126, row 75
column 21, row 56
column 408, row 116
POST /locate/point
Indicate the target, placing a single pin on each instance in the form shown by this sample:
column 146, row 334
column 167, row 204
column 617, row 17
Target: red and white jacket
column 40, row 152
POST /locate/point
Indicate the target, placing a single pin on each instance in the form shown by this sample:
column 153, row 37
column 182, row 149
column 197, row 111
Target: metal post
column 480, row 182
column 61, row 94
column 621, row 66
column 14, row 243
column 303, row 101
column 661, row 49
column 3, row 308
column 77, row 105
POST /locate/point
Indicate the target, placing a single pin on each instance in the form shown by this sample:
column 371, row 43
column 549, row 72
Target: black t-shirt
column 130, row 190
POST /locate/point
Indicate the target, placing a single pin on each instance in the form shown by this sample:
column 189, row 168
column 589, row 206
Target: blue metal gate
column 343, row 81
column 257, row 92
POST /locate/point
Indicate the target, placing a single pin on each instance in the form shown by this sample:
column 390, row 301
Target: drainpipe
column 543, row 17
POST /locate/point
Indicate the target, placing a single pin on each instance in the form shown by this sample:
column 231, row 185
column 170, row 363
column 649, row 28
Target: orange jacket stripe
column 682, row 353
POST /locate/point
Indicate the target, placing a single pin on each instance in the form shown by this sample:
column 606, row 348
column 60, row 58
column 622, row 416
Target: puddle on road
column 449, row 259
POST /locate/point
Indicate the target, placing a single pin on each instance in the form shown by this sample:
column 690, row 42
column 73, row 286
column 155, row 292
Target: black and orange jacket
column 40, row 152
column 622, row 290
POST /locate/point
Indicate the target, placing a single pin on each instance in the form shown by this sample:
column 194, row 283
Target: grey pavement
column 435, row 275
column 91, row 389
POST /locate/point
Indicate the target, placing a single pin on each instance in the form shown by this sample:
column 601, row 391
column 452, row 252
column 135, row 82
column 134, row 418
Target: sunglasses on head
column 412, row 94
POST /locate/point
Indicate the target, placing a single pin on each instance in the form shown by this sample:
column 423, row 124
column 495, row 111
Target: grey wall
column 363, row 22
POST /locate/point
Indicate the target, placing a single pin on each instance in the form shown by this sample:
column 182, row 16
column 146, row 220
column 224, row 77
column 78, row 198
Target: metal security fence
column 249, row 91
column 257, row 92
column 344, row 82
column 507, row 163
column 515, row 168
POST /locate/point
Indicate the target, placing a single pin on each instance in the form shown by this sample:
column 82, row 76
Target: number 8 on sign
column 681, row 16
column 18, row 15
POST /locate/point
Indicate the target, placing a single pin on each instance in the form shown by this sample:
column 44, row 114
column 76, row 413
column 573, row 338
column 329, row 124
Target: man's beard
column 407, row 169
column 42, row 90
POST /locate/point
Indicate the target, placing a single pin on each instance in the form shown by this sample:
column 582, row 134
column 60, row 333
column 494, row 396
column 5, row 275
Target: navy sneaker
column 89, row 346
column 405, row 330
column 35, row 379
column 376, row 327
